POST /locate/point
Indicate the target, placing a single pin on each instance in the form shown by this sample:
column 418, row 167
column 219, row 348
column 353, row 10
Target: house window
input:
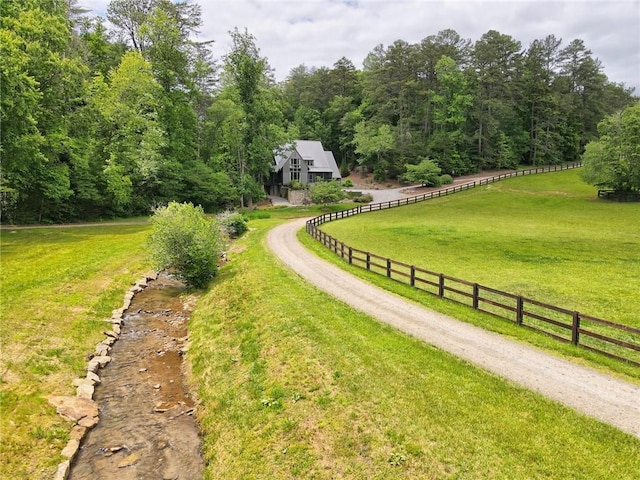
column 295, row 169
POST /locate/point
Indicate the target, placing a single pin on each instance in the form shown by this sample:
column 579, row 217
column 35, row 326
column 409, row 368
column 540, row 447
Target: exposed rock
column 103, row 360
column 113, row 333
column 131, row 459
column 78, row 432
column 109, row 341
column 152, row 275
column 98, row 362
column 85, row 390
column 63, row 471
column 71, row 449
column 102, row 349
column 83, row 411
column 93, row 377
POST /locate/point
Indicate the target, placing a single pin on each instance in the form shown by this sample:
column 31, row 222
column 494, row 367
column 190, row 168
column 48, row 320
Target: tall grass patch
column 294, row 384
column 545, row 237
column 58, row 284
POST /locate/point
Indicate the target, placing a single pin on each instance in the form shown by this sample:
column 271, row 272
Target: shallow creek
column 146, row 428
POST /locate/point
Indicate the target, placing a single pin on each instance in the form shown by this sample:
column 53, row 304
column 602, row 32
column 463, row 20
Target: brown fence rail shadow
column 614, row 340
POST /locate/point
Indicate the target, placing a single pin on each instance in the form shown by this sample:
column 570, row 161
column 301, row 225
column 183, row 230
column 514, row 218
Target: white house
column 305, row 161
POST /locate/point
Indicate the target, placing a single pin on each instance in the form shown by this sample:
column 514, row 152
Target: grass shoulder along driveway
column 294, row 384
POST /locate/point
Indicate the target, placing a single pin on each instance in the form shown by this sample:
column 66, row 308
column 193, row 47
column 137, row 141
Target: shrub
column 297, row 185
column 366, row 198
column 186, row 242
column 233, row 223
column 446, row 179
column 326, row 192
column 426, row 173
column 347, row 183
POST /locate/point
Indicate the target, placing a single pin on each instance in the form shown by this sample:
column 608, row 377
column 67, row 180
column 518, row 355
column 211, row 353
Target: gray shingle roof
column 323, row 160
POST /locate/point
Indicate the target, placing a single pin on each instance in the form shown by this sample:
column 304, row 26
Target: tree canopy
column 102, row 123
column 613, row 161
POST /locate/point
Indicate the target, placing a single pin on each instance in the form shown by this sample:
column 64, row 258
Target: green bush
column 233, row 223
column 426, row 173
column 186, row 242
column 366, row 198
column 326, row 192
column 446, row 179
column 347, row 183
column 297, row 185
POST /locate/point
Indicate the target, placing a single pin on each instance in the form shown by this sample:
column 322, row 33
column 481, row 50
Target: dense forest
column 102, row 119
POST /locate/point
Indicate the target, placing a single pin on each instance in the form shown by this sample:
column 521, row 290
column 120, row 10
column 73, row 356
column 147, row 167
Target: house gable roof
column 323, row 160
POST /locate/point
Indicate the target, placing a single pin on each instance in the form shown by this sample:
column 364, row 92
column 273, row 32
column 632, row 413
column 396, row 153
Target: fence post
column 413, row 276
column 441, row 286
column 475, row 296
column 388, row 268
column 341, row 250
column 368, row 261
column 519, row 311
column 575, row 329
column 350, row 256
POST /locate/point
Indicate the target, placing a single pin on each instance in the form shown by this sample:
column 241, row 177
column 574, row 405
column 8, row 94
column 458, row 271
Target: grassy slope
column 545, row 236
column 57, row 286
column 296, row 385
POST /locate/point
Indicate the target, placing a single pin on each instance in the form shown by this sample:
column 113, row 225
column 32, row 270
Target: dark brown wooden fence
column 608, row 338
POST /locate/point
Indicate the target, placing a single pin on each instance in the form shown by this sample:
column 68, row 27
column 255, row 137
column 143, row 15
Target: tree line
column 101, row 121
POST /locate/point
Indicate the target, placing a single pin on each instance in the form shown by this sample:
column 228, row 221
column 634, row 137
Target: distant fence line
column 614, row 340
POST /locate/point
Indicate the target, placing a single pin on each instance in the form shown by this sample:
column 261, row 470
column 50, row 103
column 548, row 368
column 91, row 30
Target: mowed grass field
column 294, row 384
column 546, row 237
column 57, row 285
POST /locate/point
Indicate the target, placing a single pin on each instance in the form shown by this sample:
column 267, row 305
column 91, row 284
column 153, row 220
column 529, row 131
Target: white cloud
column 319, row 32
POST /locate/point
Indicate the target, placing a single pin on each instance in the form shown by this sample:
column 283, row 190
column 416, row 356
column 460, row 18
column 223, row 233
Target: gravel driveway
column 606, row 398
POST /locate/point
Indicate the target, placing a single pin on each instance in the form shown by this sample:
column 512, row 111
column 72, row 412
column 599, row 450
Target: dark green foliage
column 326, row 192
column 446, row 179
column 347, row 183
column 233, row 223
column 613, row 161
column 186, row 242
column 366, row 198
column 425, row 173
column 297, row 185
column 100, row 123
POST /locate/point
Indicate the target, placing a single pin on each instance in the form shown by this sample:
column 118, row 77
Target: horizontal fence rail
column 614, row 340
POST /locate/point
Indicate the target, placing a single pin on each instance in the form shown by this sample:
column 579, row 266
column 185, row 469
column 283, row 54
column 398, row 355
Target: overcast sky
column 318, row 32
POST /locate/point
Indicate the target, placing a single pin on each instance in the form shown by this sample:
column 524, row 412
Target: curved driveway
column 595, row 394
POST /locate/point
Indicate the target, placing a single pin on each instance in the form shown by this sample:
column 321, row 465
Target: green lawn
column 58, row 284
column 293, row 384
column 546, row 237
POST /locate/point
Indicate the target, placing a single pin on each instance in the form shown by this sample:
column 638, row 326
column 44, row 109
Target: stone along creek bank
column 146, row 428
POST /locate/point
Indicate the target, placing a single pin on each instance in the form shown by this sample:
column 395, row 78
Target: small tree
column 186, row 242
column 425, row 173
column 613, row 161
column 326, row 192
